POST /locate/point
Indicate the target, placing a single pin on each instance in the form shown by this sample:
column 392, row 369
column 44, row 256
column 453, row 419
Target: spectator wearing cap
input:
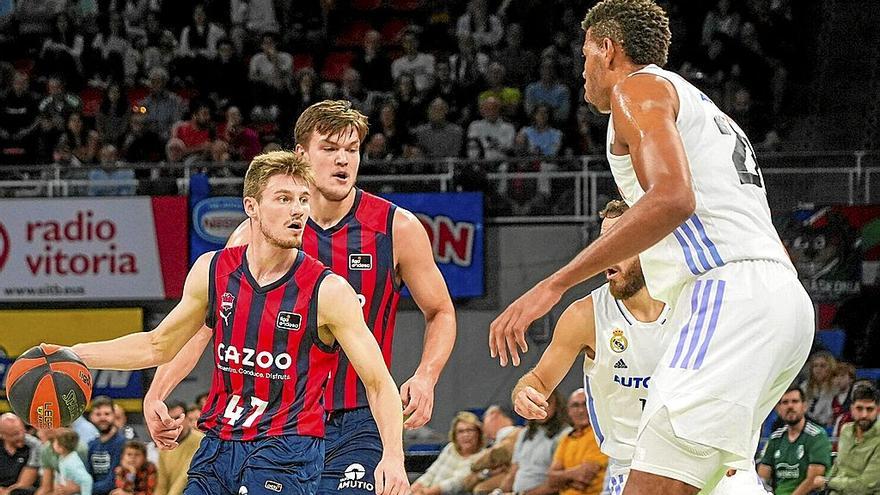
column 162, row 107
column 419, row 65
column 439, row 138
column 19, row 457
column 857, row 468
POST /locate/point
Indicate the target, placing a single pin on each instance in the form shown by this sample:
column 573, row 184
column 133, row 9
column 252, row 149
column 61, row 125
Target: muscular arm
column 147, row 349
column 416, row 266
column 574, row 332
column 806, row 486
column 644, row 109
column 169, row 375
column 339, row 312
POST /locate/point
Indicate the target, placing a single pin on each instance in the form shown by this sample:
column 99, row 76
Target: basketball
column 48, row 386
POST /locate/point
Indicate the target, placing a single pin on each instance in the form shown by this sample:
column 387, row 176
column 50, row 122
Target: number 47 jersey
column 270, row 367
column 732, row 218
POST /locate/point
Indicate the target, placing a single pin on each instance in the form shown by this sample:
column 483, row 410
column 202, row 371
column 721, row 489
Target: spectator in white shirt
column 419, row 65
column 494, row 134
column 485, row 28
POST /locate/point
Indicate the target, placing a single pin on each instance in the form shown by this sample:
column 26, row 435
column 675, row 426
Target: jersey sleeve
column 767, row 456
column 820, row 450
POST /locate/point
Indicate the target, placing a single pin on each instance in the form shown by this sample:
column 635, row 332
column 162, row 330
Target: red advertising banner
column 92, row 249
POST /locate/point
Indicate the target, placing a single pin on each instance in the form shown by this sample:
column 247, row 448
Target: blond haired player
column 265, row 422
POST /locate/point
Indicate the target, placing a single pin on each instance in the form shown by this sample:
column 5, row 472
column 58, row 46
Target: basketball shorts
column 267, row 466
column 744, row 482
column 354, row 449
column 742, row 333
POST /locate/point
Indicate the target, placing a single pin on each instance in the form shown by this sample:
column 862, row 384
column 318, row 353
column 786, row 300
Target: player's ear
column 299, row 150
column 609, row 51
column 250, row 207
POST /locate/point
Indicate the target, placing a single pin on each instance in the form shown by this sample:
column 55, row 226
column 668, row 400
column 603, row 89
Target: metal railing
column 518, row 190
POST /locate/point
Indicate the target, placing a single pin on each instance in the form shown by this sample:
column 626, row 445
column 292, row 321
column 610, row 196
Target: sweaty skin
column 644, row 108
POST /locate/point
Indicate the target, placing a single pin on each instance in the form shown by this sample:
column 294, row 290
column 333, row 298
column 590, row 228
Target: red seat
column 353, row 34
column 335, row 65
column 366, row 4
column 302, row 60
column 136, row 95
column 91, row 101
column 25, row 65
column 392, row 30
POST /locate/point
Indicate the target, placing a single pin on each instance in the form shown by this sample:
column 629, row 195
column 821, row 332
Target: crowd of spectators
column 99, row 454
column 98, row 85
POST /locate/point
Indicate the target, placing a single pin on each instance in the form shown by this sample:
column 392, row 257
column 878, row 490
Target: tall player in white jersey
column 700, row 223
column 622, row 332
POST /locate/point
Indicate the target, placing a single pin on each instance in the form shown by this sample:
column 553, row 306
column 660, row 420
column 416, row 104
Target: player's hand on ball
column 417, row 395
column 391, row 477
column 508, row 331
column 163, row 428
column 530, row 404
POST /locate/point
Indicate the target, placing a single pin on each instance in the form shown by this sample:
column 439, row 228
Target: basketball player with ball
column 280, row 318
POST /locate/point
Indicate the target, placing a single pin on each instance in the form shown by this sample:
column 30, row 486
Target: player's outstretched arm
column 574, row 332
column 148, row 349
column 415, row 261
column 644, row 109
column 339, row 312
column 162, row 427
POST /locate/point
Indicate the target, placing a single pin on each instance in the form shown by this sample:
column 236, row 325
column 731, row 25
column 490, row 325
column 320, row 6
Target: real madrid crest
column 618, row 341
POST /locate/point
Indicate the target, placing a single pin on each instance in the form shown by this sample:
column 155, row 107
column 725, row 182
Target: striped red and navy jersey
column 360, row 249
column 270, row 367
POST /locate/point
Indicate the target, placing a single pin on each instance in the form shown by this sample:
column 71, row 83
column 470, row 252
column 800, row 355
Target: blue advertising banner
column 454, row 222
column 213, row 220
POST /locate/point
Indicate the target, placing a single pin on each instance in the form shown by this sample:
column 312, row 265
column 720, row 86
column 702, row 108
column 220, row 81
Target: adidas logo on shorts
column 620, row 364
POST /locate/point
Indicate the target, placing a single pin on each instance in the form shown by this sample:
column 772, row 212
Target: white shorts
column 743, row 482
column 744, row 331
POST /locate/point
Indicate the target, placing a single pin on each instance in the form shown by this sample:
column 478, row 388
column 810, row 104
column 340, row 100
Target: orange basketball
column 48, row 386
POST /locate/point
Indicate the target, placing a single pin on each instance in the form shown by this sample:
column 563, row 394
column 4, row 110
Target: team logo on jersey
column 800, row 452
column 243, row 490
column 360, row 261
column 353, row 477
column 227, row 300
column 618, row 341
column 288, row 321
column 620, row 364
column 273, row 485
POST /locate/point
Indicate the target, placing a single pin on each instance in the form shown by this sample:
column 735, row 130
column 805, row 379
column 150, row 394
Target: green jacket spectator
column 857, row 469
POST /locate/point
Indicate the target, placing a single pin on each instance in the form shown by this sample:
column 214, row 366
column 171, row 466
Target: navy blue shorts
column 267, row 466
column 354, row 449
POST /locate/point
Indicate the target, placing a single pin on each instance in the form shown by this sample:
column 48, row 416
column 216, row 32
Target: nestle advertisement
column 454, row 222
column 836, row 249
column 92, row 249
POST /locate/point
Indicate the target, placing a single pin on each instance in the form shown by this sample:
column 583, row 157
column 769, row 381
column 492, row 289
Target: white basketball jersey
column 617, row 379
column 732, row 218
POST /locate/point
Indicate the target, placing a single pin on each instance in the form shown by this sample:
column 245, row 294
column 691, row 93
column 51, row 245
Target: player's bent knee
column 642, row 483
